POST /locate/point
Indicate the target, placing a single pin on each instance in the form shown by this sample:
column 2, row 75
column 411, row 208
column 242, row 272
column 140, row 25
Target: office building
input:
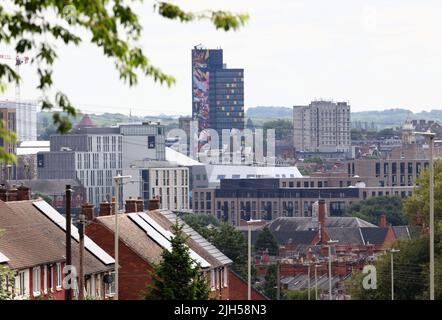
column 217, row 92
column 26, row 118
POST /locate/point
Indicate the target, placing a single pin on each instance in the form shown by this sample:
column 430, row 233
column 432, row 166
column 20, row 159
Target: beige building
column 322, row 126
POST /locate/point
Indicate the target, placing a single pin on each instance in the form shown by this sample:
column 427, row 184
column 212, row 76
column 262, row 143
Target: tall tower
column 217, row 92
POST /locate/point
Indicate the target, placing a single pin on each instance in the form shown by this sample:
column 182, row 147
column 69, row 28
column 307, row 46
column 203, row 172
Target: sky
column 374, row 54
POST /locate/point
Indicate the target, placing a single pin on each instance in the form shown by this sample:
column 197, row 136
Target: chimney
column 105, row 209
column 3, row 193
column 154, row 204
column 88, row 210
column 23, row 193
column 322, row 215
column 113, row 205
column 131, row 205
column 12, row 194
column 140, row 205
column 383, row 220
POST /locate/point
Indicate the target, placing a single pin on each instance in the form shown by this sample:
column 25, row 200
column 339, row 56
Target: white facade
column 165, row 180
column 322, row 126
column 26, row 118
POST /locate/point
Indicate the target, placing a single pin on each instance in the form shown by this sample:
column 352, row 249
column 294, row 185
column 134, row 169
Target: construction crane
column 19, row 60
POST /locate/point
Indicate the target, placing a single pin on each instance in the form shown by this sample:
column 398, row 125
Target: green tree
column 270, row 281
column 283, row 128
column 177, row 277
column 5, row 274
column 266, row 240
column 417, row 207
column 371, row 210
column 113, row 26
column 297, row 295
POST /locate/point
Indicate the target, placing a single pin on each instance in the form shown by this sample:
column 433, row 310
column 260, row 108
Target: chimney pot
column 88, row 210
column 105, row 209
column 154, row 204
column 383, row 220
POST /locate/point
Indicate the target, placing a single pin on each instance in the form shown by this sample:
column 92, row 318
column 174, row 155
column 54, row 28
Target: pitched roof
column 86, row 122
column 374, row 235
column 346, row 235
column 33, row 236
column 290, row 224
column 401, row 232
column 149, row 244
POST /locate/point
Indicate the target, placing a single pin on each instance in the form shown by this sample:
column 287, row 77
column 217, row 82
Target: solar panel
column 60, row 220
column 163, row 237
column 3, row 258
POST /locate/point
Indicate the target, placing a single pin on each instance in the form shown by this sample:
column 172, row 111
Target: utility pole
column 430, row 135
column 81, row 269
column 249, row 254
column 278, row 280
column 330, row 294
column 68, row 290
column 392, row 272
column 309, row 281
column 316, row 282
column 117, row 181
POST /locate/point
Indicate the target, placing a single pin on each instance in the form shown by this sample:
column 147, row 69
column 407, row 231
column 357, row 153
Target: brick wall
column 238, row 289
column 133, row 272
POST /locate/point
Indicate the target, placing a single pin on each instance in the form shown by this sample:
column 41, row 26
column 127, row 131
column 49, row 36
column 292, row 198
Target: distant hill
column 387, row 118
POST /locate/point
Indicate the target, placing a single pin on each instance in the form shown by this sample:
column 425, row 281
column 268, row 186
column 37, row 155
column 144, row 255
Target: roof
column 86, row 122
column 290, row 224
column 3, row 258
column 374, row 235
column 35, row 144
column 34, row 235
column 217, row 172
column 147, row 233
column 401, row 232
column 48, row 186
column 180, row 159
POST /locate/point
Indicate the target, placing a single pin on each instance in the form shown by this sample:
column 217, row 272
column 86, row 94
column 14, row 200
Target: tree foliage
column 283, row 128
column 417, row 207
column 113, row 27
column 267, row 241
column 270, row 282
column 177, row 277
column 6, row 275
column 297, row 295
column 371, row 210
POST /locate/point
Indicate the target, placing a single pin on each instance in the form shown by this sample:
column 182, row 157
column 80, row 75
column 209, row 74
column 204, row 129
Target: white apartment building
column 322, row 126
column 162, row 179
column 26, row 118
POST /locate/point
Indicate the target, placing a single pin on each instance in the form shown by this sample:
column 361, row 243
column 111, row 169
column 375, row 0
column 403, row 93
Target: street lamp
column 308, row 279
column 430, row 135
column 117, row 181
column 392, row 272
column 316, row 281
column 330, row 242
column 249, row 263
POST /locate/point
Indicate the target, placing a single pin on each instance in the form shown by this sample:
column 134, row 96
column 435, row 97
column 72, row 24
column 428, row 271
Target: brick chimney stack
column 383, row 220
column 12, row 194
column 23, row 193
column 113, row 205
column 140, row 205
column 88, row 210
column 105, row 209
column 131, row 205
column 322, row 215
column 3, row 191
column 154, row 204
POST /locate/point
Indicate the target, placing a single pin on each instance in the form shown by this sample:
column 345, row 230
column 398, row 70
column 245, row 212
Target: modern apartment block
column 95, row 155
column 26, row 118
column 238, row 200
column 8, row 119
column 322, row 127
column 165, row 180
column 217, row 92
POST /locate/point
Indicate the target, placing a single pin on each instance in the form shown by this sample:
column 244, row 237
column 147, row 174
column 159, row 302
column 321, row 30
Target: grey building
column 95, row 155
column 322, row 127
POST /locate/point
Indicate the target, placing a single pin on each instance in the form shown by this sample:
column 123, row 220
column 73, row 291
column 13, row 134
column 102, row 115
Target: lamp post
column 392, row 251
column 249, row 254
column 308, row 279
column 117, row 181
column 330, row 267
column 430, row 135
column 316, row 281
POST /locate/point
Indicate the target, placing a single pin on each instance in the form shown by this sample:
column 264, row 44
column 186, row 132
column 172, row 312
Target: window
column 51, row 278
column 58, row 283
column 151, row 142
column 36, row 281
column 212, row 280
column 226, row 275
column 22, row 283
column 45, row 279
column 112, row 284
